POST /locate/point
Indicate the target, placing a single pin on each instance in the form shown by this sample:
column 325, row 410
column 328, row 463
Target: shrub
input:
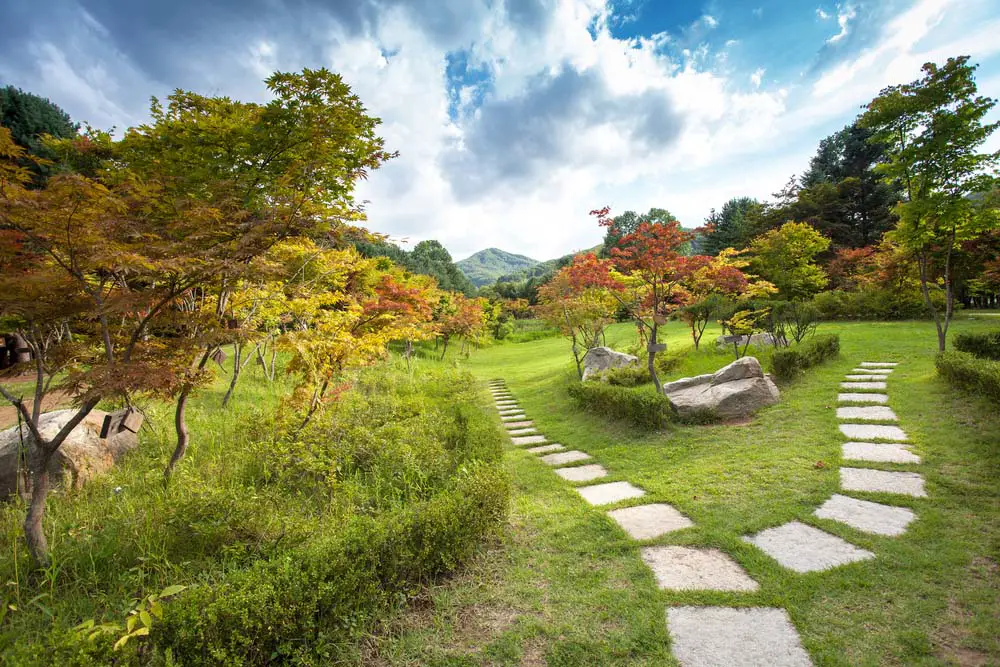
column 641, row 407
column 984, row 345
column 962, row 369
column 626, row 376
column 790, row 362
column 874, row 304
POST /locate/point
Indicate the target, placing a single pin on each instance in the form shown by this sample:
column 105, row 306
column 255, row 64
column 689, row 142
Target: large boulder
column 602, row 358
column 756, row 340
column 739, row 389
column 83, row 455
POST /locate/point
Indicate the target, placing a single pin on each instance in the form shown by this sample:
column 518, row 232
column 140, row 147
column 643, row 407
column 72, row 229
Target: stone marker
column 863, row 385
column 803, row 548
column 545, row 449
column 866, row 378
column 522, row 431
column 878, row 452
column 871, row 413
column 867, row 516
column 729, row 637
column 872, row 432
column 881, row 481
column 582, row 473
column 563, row 458
column 644, row 522
column 528, row 440
column 521, row 424
column 862, row 398
column 879, row 364
column 690, row 569
column 612, row 492
column 873, row 371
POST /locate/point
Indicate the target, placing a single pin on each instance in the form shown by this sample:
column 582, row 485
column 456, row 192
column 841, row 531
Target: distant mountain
column 486, row 266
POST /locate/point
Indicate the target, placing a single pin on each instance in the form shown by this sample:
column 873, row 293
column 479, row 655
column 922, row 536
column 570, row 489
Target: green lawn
column 569, row 588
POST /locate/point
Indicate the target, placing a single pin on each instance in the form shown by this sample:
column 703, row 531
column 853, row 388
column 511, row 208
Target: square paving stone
column 871, row 413
column 690, row 569
column 873, row 371
column 866, row 378
column 522, row 431
column 582, row 473
column 862, row 398
column 879, row 364
column 728, row 637
column 872, row 432
column 644, row 522
column 563, row 458
column 521, row 424
column 863, row 385
column 612, row 492
column 528, row 440
column 882, row 481
column 867, row 516
column 878, row 452
column 546, row 449
column 803, row 548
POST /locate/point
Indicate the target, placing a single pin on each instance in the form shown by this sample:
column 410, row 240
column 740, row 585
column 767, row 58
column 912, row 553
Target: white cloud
column 844, row 16
column 710, row 20
column 757, row 77
column 821, row 14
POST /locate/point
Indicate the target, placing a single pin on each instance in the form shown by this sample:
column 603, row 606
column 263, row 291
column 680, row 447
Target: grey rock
column 546, row 449
column 691, row 569
column 562, row 458
column 803, row 548
column 582, row 473
column 862, row 385
column 863, row 398
column 611, row 492
column 878, row 452
column 756, row 340
column 882, row 481
column 644, row 522
column 868, row 413
column 739, row 389
column 867, row 516
column 730, row 637
column 82, row 456
column 873, row 432
column 600, row 359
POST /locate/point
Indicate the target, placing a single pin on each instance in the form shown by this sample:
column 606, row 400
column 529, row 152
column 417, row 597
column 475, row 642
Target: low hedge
column 789, row 362
column 983, row 345
column 641, row 407
column 964, row 370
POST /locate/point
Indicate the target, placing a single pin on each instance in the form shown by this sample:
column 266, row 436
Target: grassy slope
column 570, row 588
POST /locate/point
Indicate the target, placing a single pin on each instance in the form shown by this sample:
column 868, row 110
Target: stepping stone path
column 870, row 413
column 582, row 473
column 753, row 636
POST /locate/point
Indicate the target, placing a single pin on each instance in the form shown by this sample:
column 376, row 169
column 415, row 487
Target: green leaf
column 121, row 642
column 147, row 620
column 156, row 609
column 141, row 632
column 130, row 623
column 172, row 590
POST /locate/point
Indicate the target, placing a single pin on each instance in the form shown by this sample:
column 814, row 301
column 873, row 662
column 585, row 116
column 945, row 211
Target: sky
column 514, row 118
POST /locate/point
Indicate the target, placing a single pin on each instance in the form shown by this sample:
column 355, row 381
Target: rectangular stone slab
column 582, row 473
column 878, row 364
column 873, row 371
column 512, row 416
column 562, row 458
column 803, row 548
column 863, row 385
column 862, row 398
column 521, row 424
column 872, row 432
column 506, row 404
column 690, row 569
column 867, row 516
column 731, row 637
column 528, row 440
column 866, row 378
column 882, row 481
column 522, row 431
column 878, row 452
column 546, row 449
column 644, row 522
column 868, row 413
column 612, row 492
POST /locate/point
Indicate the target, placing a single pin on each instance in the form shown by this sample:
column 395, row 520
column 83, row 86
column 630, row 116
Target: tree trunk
column 34, row 531
column 651, row 360
column 180, row 423
column 237, row 367
column 922, row 262
column 444, row 350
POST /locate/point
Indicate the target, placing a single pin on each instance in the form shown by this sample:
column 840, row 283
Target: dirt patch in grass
column 954, row 635
column 53, row 400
